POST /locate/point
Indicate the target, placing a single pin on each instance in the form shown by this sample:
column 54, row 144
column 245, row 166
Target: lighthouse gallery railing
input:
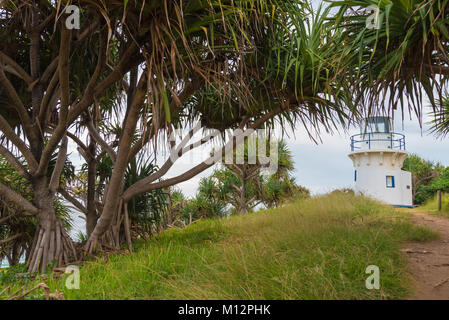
column 366, row 141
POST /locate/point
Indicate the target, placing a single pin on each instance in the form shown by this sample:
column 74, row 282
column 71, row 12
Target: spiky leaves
column 399, row 59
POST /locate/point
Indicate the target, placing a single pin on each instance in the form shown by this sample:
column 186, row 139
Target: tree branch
column 4, row 219
column 77, row 140
column 72, row 200
column 179, row 151
column 18, row 235
column 46, row 21
column 20, row 201
column 16, row 67
column 49, row 94
column 129, row 194
column 14, row 162
column 59, row 166
column 18, row 104
column 96, row 136
column 64, row 82
column 23, row 148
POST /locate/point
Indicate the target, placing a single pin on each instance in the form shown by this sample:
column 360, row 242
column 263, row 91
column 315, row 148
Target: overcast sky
column 325, row 166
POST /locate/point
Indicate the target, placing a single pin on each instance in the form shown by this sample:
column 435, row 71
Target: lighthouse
column 378, row 154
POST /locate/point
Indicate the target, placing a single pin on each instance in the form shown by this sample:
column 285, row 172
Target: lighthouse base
column 378, row 175
column 401, row 206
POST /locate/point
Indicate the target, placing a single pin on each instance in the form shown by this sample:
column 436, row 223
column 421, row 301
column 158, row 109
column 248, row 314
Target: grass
column 312, row 249
column 431, row 205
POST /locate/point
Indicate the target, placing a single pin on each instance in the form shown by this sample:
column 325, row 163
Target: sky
column 325, row 166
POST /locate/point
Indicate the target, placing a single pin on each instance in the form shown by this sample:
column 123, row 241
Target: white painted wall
column 373, row 167
column 407, row 197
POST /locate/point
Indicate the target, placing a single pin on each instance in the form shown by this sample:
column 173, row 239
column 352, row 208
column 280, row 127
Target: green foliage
column 208, row 202
column 281, row 186
column 239, row 188
column 401, row 56
column 431, row 205
column 22, row 226
column 14, row 274
column 277, row 190
column 81, row 237
column 442, row 182
column 146, row 211
column 312, row 249
column 440, row 120
column 424, row 172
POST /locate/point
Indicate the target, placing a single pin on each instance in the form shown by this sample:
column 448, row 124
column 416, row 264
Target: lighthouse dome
column 378, row 154
column 376, row 133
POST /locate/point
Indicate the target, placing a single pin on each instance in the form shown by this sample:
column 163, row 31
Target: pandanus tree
column 269, row 73
column 17, row 227
column 248, row 161
column 247, row 182
column 251, row 164
column 53, row 76
column 50, row 75
column 399, row 52
column 228, row 64
column 186, row 52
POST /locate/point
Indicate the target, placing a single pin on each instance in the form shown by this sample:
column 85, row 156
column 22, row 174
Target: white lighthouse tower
column 378, row 154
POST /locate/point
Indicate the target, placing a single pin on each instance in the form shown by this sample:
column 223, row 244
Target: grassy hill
column 312, row 249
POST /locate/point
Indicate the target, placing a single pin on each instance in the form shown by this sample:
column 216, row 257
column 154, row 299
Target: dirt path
column 429, row 261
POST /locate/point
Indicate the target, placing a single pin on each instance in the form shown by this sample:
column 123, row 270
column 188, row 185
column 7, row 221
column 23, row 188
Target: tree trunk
column 51, row 245
column 111, row 208
column 14, row 256
column 91, row 216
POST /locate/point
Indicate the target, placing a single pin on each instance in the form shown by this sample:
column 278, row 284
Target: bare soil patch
column 429, row 261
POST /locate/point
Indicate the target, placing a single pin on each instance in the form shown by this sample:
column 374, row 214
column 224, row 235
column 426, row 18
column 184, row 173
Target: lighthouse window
column 355, row 175
column 390, row 181
column 376, row 125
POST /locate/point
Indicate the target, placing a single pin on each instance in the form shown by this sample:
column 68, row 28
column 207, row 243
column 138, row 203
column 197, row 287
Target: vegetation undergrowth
column 317, row 248
column 431, row 205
